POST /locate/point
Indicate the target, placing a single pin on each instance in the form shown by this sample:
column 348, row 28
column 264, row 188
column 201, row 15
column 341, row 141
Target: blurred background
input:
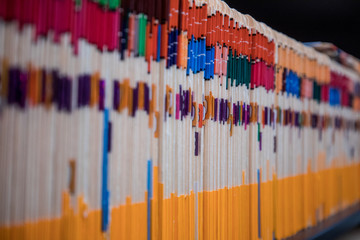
column 332, row 21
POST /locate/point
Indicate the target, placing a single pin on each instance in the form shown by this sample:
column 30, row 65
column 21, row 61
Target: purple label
column 177, row 114
column 135, row 100
column 266, row 115
column 101, row 95
column 196, row 144
column 23, row 89
column 116, row 95
column 147, row 98
column 215, row 109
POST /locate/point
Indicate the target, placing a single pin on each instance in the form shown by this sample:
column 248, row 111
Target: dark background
column 332, row 21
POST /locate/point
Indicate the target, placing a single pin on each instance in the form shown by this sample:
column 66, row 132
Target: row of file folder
column 168, row 119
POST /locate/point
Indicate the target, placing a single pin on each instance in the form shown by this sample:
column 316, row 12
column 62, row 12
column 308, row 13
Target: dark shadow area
column 333, row 227
column 354, row 234
column 336, row 21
